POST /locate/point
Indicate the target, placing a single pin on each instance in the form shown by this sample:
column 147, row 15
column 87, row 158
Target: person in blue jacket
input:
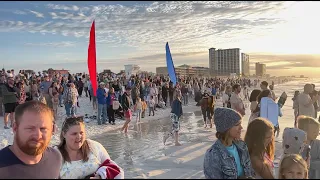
column 176, row 113
column 102, row 103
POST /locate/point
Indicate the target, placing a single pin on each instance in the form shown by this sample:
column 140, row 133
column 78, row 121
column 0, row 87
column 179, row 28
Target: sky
column 48, row 34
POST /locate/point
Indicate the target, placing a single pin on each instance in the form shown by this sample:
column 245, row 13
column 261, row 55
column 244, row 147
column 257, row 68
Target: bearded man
column 30, row 157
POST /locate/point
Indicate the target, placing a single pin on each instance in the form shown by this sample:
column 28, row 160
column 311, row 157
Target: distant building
column 185, row 70
column 201, row 71
column 223, row 62
column 245, row 64
column 131, row 69
column 260, row 69
column 61, row 72
column 162, row 71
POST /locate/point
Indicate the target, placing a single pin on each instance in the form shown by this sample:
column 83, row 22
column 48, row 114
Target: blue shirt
column 213, row 91
column 234, row 152
column 44, row 86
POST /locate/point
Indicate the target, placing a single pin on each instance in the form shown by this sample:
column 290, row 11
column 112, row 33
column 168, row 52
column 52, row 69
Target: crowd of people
column 31, row 102
column 232, row 158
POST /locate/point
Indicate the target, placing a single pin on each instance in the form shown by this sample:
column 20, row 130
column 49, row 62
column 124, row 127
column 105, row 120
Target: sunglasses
column 73, row 120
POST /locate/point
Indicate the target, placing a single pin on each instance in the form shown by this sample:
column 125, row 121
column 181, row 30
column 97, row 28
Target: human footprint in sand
column 175, row 115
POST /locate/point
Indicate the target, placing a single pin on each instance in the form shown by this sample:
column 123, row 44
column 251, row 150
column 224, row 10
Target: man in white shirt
column 236, row 101
column 306, row 102
column 107, row 88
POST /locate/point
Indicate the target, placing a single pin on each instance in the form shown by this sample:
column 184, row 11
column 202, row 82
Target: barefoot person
column 30, row 157
column 126, row 108
column 176, row 113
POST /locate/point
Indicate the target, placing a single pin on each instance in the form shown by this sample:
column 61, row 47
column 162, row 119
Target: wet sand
column 142, row 154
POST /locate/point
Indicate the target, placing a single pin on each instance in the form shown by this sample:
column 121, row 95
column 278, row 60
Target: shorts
column 175, row 122
column 10, row 107
column 94, row 99
column 128, row 114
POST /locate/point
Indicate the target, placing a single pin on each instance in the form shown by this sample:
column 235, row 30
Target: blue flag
column 170, row 66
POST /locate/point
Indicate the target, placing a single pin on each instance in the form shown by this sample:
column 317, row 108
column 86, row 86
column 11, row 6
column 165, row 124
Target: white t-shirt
column 303, row 100
column 80, row 169
column 151, row 103
column 107, row 90
column 235, row 99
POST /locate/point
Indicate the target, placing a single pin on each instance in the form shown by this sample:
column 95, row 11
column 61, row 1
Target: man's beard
column 31, row 150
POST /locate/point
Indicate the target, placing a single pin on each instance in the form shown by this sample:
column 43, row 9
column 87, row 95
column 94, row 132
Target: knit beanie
column 225, row 118
column 293, row 140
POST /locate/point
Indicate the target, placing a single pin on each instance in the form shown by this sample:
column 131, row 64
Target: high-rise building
column 223, row 62
column 245, row 64
column 260, row 69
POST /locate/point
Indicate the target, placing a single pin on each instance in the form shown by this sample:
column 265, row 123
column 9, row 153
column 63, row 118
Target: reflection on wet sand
column 145, row 139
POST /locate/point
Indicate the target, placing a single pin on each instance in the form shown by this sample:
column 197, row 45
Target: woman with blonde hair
column 82, row 157
column 260, row 141
column 293, row 166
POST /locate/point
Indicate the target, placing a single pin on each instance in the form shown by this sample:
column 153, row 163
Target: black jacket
column 125, row 102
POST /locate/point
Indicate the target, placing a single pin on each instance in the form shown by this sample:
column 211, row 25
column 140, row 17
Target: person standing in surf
column 126, row 101
column 176, row 113
column 295, row 107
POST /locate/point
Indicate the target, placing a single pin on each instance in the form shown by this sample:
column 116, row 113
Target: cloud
column 19, row 12
column 286, row 61
column 145, row 26
column 40, row 15
column 66, row 8
column 190, row 27
column 53, row 44
column 163, row 56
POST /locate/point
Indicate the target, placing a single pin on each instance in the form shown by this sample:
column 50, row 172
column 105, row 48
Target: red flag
column 92, row 63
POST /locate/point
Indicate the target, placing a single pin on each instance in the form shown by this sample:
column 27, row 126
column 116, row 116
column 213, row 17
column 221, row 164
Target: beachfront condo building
column 245, row 65
column 185, row 70
column 260, row 69
column 223, row 62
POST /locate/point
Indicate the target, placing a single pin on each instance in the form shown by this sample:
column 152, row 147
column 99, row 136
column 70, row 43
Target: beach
column 141, row 152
